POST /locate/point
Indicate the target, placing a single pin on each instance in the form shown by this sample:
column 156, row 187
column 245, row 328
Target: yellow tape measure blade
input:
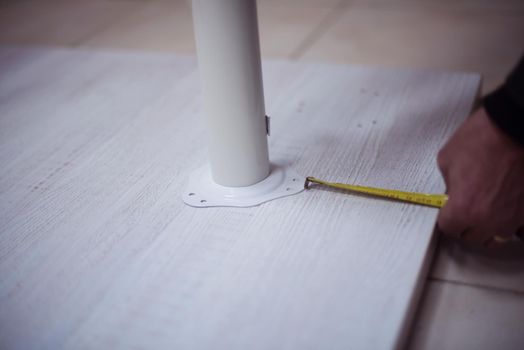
column 432, row 200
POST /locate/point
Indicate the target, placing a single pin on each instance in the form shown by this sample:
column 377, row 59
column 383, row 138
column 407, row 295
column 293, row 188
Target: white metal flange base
column 203, row 192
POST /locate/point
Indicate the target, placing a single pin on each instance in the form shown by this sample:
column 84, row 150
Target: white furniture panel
column 98, row 251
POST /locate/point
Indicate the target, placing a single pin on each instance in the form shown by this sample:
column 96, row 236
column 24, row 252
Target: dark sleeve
column 505, row 106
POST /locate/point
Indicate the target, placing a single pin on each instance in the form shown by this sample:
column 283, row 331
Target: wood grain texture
column 97, row 249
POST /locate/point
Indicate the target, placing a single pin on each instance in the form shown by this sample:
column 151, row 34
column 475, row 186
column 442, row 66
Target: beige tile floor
column 459, row 316
column 421, row 35
column 471, row 302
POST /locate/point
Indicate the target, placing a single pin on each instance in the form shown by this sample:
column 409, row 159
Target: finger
column 467, row 233
column 508, row 246
column 514, row 238
column 493, row 243
column 520, row 233
column 443, row 163
column 502, row 239
column 497, row 240
column 478, row 237
column 449, row 224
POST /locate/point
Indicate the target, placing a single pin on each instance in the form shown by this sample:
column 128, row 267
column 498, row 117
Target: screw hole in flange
column 203, row 201
column 288, row 189
column 190, row 194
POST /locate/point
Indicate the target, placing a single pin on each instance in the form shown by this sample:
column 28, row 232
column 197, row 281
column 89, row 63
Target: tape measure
column 430, row 200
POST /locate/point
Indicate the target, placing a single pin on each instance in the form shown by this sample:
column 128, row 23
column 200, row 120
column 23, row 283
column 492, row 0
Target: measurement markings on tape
column 431, row 200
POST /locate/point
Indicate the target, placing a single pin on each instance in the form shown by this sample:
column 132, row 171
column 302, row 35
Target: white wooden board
column 98, row 251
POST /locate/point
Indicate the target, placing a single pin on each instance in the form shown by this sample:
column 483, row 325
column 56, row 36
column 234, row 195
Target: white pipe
column 228, row 50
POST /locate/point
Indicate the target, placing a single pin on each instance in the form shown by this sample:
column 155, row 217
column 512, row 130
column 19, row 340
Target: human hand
column 484, row 174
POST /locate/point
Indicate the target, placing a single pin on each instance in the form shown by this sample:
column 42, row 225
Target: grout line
column 476, row 286
column 319, row 30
